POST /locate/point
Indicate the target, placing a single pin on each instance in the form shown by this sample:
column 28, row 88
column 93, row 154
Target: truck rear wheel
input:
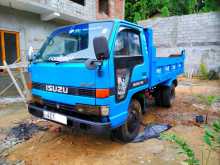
column 168, row 95
column 130, row 129
column 158, row 96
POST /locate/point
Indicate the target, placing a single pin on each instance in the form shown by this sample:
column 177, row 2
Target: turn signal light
column 102, row 93
column 29, row 82
column 29, row 85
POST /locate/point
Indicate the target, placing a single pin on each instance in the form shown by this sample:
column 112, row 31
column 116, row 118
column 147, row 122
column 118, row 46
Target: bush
column 165, row 12
column 213, row 75
column 150, row 8
column 203, row 72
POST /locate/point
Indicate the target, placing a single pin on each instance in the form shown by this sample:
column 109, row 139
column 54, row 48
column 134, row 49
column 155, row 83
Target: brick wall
column 116, row 9
column 198, row 34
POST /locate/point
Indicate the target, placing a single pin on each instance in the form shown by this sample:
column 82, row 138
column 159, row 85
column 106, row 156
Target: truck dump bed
column 162, row 69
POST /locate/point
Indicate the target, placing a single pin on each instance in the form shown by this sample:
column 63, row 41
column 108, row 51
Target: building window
column 9, row 47
column 81, row 2
column 104, row 7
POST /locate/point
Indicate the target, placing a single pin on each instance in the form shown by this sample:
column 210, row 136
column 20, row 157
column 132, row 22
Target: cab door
column 130, row 70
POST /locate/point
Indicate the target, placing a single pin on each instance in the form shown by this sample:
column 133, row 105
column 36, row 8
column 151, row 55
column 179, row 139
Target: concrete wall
column 67, row 10
column 32, row 30
column 68, row 7
column 198, row 34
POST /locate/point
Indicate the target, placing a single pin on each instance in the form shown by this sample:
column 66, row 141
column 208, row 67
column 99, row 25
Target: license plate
column 55, row 117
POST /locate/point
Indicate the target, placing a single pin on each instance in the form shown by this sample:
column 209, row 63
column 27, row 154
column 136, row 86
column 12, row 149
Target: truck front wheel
column 130, row 129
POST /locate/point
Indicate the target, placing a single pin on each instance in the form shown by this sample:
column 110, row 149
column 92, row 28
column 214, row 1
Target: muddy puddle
column 17, row 134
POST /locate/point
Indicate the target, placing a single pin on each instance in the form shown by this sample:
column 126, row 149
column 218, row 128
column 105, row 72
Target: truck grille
column 70, row 90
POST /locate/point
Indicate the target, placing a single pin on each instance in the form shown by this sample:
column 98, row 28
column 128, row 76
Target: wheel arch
column 140, row 96
column 175, row 82
column 170, row 82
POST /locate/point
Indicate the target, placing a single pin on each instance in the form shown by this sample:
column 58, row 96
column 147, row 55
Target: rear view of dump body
column 163, row 70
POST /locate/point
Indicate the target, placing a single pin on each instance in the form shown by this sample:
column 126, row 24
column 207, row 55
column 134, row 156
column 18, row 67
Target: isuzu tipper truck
column 101, row 74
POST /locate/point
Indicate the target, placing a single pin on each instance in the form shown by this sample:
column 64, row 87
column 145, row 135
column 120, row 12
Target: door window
column 134, row 46
column 128, row 43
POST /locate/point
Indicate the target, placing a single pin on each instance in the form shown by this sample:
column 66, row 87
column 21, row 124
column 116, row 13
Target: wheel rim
column 132, row 122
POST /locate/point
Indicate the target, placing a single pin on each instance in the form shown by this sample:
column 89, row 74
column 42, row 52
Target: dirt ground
column 57, row 144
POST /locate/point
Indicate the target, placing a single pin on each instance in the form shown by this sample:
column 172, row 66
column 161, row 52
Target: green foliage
column 204, row 74
column 184, row 147
column 165, row 12
column 182, row 7
column 136, row 10
column 213, row 75
column 211, row 5
column 203, row 71
column 211, row 137
column 209, row 99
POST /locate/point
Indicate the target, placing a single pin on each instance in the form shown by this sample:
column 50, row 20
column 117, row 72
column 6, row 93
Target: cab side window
column 128, row 43
column 134, row 46
column 121, row 44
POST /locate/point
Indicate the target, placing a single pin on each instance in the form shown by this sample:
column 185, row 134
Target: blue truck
column 101, row 74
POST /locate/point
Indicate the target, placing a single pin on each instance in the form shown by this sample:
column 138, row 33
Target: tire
column 168, row 96
column 158, row 97
column 130, row 129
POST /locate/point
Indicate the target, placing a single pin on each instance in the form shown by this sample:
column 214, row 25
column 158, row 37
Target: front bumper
column 38, row 112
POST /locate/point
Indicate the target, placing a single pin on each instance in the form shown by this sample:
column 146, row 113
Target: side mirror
column 30, row 53
column 101, row 48
column 183, row 52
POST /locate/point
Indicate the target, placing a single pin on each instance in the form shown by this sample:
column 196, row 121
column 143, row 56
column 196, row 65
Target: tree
column 136, row 10
column 211, row 5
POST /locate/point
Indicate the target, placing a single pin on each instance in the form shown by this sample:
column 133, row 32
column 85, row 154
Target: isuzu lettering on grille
column 57, row 89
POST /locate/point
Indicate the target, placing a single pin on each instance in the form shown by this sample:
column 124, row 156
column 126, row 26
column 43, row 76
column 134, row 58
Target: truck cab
column 100, row 74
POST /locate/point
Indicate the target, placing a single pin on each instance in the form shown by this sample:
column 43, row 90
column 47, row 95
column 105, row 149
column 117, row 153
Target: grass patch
column 207, row 99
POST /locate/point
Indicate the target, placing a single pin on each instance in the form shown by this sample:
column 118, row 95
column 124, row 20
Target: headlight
column 92, row 110
column 104, row 110
column 36, row 99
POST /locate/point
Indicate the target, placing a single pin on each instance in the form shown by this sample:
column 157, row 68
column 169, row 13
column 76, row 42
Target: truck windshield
column 73, row 42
